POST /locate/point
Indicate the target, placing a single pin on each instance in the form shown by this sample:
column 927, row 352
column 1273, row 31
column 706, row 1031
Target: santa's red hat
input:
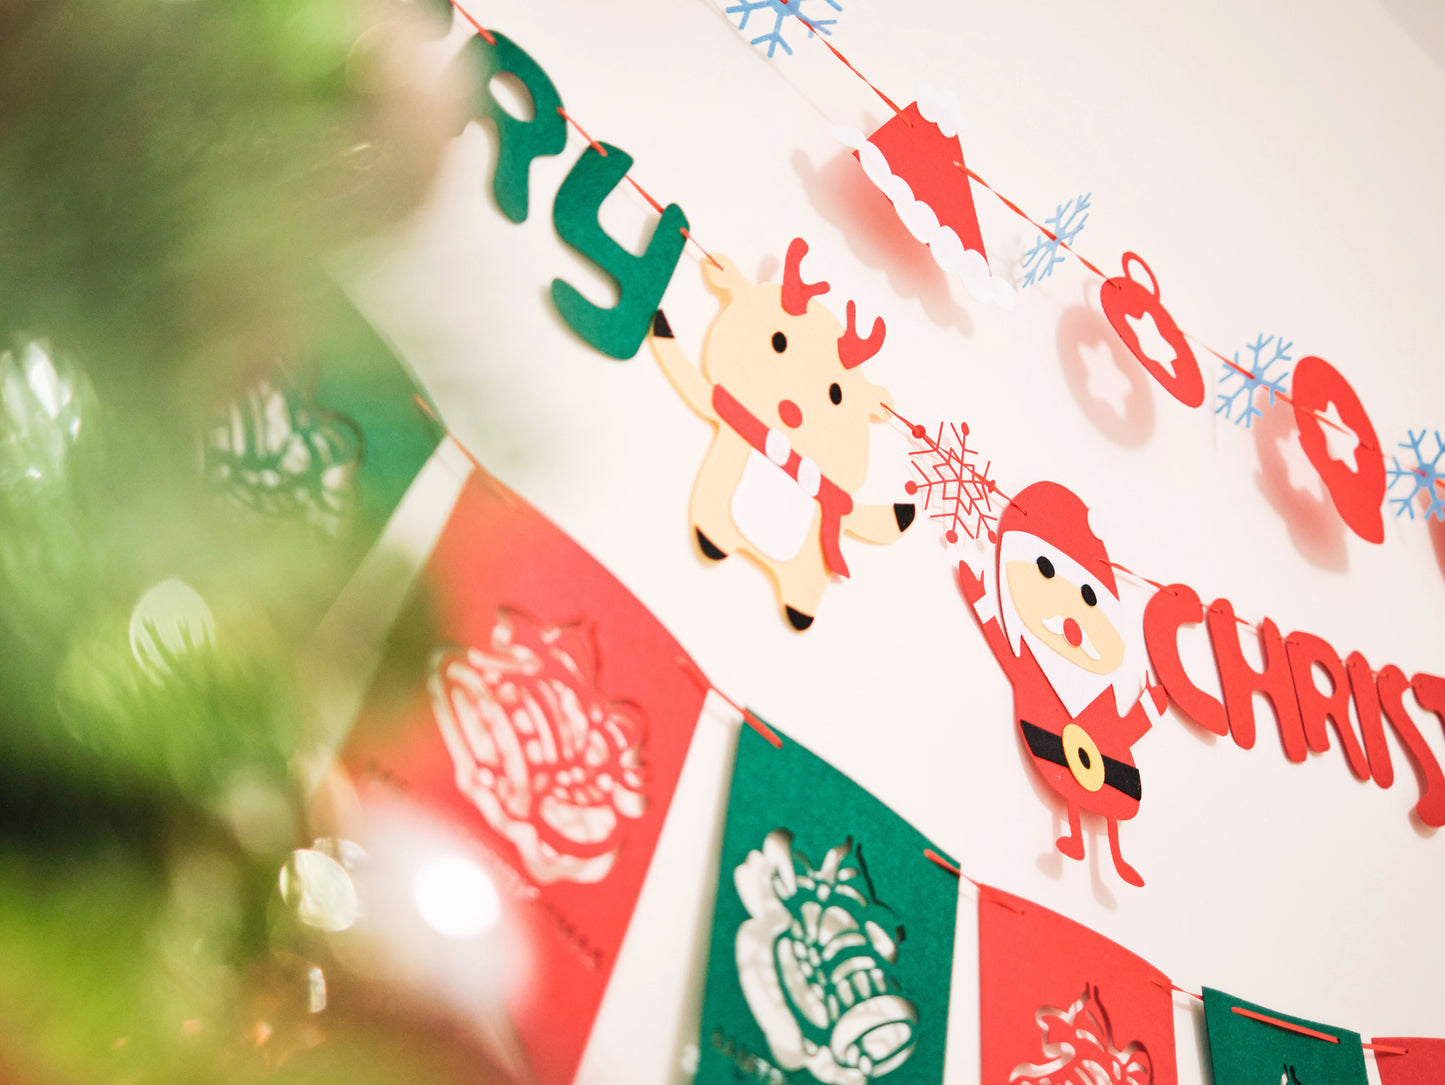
column 1056, row 515
column 916, row 159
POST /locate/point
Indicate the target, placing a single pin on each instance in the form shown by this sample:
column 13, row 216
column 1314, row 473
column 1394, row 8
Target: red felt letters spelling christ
column 1305, row 711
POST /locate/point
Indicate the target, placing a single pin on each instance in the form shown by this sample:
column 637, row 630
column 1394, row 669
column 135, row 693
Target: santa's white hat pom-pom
column 1100, row 523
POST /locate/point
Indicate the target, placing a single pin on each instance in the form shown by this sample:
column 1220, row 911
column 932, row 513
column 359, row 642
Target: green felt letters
column 518, row 141
column 618, row 331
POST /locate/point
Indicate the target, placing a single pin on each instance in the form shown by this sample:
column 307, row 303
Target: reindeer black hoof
column 800, row 620
column 708, row 547
column 660, row 327
column 904, row 514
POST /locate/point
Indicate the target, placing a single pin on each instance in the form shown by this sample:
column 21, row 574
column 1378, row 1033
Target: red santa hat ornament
column 916, row 160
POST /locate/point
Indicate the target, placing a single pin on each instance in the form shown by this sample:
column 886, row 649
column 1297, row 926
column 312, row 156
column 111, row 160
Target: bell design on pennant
column 1079, row 1044
column 552, row 767
column 279, row 453
column 817, row 961
column 916, row 159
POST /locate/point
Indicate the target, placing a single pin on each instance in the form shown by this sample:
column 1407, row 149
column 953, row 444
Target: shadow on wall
column 842, row 194
column 1106, row 381
column 1296, row 492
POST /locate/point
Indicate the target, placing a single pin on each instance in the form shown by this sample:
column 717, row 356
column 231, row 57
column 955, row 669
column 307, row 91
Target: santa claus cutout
column 1057, row 637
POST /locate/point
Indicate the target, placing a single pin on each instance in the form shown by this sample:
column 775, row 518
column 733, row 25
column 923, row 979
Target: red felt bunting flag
column 1062, row 1003
column 550, row 721
column 1423, row 1061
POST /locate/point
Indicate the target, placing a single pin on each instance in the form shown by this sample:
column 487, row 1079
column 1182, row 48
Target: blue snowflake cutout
column 1257, row 379
column 1065, row 223
column 781, row 10
column 1423, row 476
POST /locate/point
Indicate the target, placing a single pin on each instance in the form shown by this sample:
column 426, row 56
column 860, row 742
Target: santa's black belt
column 1050, row 747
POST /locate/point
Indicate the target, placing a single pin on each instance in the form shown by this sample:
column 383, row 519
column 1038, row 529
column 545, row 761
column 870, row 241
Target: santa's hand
column 970, row 583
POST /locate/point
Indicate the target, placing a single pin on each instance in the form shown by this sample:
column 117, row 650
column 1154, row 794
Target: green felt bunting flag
column 832, row 940
column 1247, row 1051
column 320, row 451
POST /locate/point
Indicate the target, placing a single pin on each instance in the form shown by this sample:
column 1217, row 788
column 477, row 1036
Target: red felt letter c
column 1169, row 609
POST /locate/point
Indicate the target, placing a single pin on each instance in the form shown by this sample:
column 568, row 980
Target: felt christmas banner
column 322, row 447
column 535, row 703
column 1422, row 1061
column 1060, row 1003
column 1252, row 1044
column 832, row 939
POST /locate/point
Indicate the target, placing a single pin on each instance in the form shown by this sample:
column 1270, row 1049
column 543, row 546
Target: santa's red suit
column 1070, row 719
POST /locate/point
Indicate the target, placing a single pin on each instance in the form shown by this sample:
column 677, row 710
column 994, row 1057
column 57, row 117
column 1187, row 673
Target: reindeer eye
column 1087, row 591
column 835, row 393
column 1046, row 567
column 780, row 342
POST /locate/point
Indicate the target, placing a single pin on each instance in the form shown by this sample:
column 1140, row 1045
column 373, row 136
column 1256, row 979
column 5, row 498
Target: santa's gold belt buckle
column 1082, row 756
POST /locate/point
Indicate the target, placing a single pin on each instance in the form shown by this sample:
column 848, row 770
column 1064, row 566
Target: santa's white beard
column 1076, row 687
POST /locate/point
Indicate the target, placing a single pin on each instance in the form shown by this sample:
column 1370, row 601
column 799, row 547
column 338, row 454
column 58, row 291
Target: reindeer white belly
column 771, row 509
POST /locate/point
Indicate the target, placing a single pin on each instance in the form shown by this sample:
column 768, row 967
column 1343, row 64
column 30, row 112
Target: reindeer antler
column 795, row 291
column 854, row 350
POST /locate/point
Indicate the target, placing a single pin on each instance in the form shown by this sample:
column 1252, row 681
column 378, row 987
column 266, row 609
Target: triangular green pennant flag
column 1254, row 1045
column 832, row 939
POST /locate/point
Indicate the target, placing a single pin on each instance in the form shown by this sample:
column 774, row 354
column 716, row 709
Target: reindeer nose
column 1072, row 633
column 789, row 412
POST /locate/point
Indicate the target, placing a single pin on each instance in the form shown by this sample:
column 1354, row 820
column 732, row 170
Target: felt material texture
column 1422, row 1064
column 531, row 701
column 519, row 141
column 1059, row 1002
column 617, row 331
column 1245, row 1050
column 832, row 939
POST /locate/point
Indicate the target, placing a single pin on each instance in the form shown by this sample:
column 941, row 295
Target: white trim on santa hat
column 947, row 248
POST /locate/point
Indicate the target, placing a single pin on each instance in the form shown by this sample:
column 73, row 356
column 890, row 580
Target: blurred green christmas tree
column 172, row 177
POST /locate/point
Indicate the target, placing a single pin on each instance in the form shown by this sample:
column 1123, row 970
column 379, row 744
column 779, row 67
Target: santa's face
column 1059, row 604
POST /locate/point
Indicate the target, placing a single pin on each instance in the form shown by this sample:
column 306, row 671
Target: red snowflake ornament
column 949, row 477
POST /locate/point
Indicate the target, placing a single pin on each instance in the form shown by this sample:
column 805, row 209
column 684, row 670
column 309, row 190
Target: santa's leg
column 1073, row 844
column 1128, row 873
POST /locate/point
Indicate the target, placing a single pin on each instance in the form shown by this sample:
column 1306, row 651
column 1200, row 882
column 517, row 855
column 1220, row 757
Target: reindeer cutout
column 781, row 380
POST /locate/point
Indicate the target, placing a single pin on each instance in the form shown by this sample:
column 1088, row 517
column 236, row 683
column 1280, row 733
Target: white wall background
column 1276, row 163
